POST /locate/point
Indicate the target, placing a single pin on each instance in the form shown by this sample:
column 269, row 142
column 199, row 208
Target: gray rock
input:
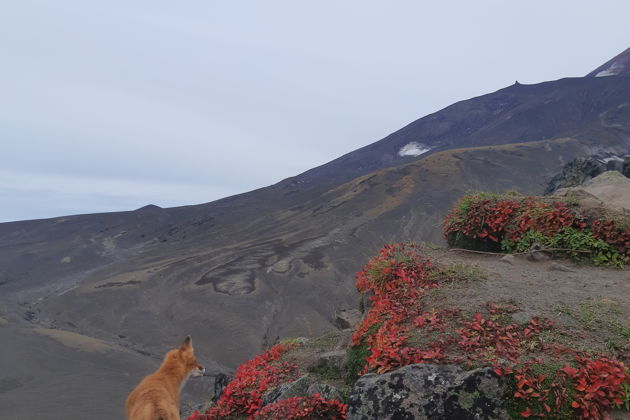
column 301, row 340
column 581, row 170
column 335, row 359
column 297, row 388
column 301, row 387
column 559, row 267
column 220, row 382
column 537, row 253
column 347, row 318
column 424, row 391
column 327, row 392
column 507, row 259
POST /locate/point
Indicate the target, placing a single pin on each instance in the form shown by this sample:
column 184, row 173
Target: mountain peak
column 619, row 65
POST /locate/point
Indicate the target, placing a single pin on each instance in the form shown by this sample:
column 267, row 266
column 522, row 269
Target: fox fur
column 157, row 395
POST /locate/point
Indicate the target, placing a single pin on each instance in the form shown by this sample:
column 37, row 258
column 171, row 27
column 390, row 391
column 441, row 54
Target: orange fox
column 157, row 396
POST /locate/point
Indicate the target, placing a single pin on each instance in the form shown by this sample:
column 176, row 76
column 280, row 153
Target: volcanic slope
column 240, row 272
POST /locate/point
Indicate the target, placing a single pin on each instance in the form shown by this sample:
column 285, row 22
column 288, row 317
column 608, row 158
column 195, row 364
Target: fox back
column 157, row 395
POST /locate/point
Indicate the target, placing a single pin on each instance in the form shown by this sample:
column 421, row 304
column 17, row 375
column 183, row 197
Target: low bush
column 307, row 408
column 488, row 222
column 243, row 395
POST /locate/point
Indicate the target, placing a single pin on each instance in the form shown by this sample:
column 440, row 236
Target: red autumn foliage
column 307, row 408
column 480, row 334
column 590, row 389
column 546, row 218
column 550, row 393
column 598, row 384
column 398, row 279
column 243, row 395
column 495, row 218
column 610, row 232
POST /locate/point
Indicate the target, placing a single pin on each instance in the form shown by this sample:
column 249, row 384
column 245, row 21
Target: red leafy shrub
column 388, row 350
column 397, row 277
column 496, row 218
column 598, row 385
column 492, row 223
column 539, row 390
column 393, row 265
column 613, row 234
column 587, row 391
column 308, row 408
column 544, row 217
column 480, row 335
column 243, row 395
column 435, row 319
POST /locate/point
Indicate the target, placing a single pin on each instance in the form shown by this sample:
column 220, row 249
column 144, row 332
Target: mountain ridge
column 242, row 271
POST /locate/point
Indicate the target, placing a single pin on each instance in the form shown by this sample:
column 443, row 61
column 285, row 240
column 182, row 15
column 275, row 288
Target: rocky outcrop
column 220, row 382
column 304, row 386
column 581, row 170
column 424, row 391
column 347, row 318
column 607, row 193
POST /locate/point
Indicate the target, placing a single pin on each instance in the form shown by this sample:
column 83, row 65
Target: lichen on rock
column 426, row 391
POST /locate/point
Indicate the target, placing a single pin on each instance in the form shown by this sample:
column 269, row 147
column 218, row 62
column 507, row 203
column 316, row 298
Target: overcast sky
column 113, row 105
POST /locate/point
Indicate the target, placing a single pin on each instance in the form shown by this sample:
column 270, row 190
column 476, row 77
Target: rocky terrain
column 88, row 304
column 462, row 334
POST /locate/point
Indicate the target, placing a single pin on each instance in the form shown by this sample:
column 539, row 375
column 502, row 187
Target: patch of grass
column 457, row 272
column 582, row 246
column 625, row 405
column 466, row 272
column 324, row 342
column 621, row 329
column 586, row 314
column 432, row 246
column 356, row 361
column 564, row 309
column 604, row 312
column 293, row 340
column 327, row 372
column 598, row 315
column 345, row 392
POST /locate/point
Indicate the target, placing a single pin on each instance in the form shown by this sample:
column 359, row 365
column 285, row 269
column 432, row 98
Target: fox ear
column 187, row 343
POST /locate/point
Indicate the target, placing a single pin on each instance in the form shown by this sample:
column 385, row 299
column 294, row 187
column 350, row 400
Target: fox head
column 186, row 355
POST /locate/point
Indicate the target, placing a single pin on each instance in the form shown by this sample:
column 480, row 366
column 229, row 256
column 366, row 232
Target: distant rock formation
column 583, row 169
column 607, row 193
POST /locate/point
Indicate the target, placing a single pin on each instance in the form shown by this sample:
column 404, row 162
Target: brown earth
column 591, row 304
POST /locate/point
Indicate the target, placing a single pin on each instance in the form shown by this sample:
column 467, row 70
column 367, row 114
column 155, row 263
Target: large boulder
column 607, row 193
column 297, row 388
column 583, row 169
column 424, row 391
column 304, row 386
column 347, row 318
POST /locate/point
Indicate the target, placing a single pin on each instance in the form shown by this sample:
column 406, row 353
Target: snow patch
column 413, row 149
column 613, row 70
